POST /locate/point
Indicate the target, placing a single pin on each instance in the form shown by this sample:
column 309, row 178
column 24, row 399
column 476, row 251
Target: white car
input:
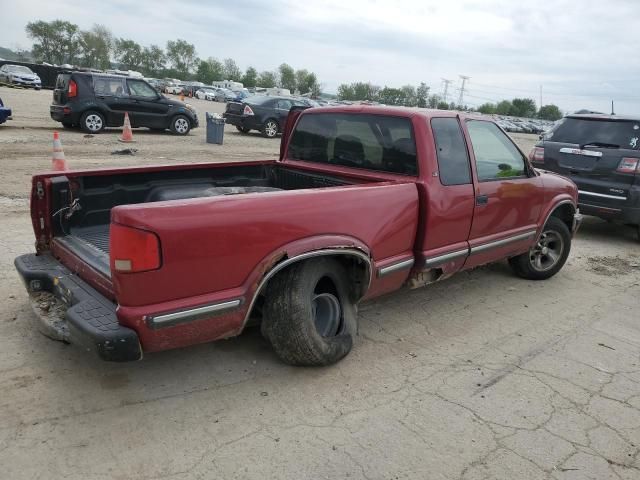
column 175, row 89
column 206, row 93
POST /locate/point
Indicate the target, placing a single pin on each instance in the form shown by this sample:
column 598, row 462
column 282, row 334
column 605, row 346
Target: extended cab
column 362, row 201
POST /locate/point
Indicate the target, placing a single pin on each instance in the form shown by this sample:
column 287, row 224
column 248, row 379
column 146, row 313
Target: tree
column 287, row 77
column 504, row 107
column 209, row 71
column 487, row 108
column 55, row 42
column 358, row 91
column 442, row 105
column 422, row 95
column 550, row 112
column 301, row 81
column 392, row 96
column 95, row 47
column 231, row 70
column 250, row 77
column 182, row 56
column 267, row 79
column 128, row 53
column 523, row 107
column 409, row 96
column 153, row 60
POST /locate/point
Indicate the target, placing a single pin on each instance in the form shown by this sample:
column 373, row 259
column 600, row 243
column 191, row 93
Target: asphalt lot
column 482, row 376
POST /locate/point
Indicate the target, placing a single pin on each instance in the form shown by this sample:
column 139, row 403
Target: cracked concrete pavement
column 483, row 376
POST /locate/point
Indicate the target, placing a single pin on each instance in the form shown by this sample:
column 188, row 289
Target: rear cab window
column 373, row 142
column 62, row 81
column 496, row 155
column 596, row 132
column 451, row 152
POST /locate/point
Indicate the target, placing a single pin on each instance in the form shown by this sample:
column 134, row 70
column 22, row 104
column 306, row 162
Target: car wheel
column 270, row 128
column 548, row 255
column 92, row 122
column 309, row 316
column 243, row 129
column 180, row 125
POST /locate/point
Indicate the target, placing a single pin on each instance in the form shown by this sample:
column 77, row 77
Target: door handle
column 482, row 199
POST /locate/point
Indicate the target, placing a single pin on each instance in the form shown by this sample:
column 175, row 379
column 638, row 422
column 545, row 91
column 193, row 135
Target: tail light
column 73, row 89
column 629, row 165
column 536, row 155
column 247, row 110
column 133, row 250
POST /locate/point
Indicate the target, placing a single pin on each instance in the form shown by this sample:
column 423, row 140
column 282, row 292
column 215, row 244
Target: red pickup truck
column 363, row 201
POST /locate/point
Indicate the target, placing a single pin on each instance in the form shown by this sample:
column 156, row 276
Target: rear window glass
column 108, row 86
column 582, row 131
column 62, row 81
column 374, row 142
column 451, row 151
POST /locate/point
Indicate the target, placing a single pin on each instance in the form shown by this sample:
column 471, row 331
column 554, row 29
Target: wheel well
column 565, row 213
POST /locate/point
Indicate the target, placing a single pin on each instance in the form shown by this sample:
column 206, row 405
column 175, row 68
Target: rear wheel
column 92, row 122
column 270, row 128
column 243, row 129
column 548, row 255
column 180, row 125
column 309, row 317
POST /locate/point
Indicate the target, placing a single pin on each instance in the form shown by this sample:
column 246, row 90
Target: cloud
column 582, row 53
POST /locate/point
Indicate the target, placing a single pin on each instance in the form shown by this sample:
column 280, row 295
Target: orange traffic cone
column 127, row 134
column 182, row 96
column 58, row 162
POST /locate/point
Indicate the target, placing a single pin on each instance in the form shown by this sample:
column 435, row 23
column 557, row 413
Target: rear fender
column 334, row 246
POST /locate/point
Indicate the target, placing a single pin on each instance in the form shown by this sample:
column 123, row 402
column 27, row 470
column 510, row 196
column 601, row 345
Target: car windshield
column 597, row 132
column 20, row 69
column 373, row 142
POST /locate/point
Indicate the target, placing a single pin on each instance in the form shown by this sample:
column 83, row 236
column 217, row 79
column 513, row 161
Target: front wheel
column 92, row 122
column 309, row 316
column 548, row 255
column 180, row 125
column 270, row 128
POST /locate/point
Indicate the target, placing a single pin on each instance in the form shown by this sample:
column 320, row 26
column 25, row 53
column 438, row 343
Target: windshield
column 373, row 142
column 596, row 132
column 20, row 69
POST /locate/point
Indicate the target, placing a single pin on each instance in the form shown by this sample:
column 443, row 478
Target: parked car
column 601, row 154
column 206, row 93
column 19, row 75
column 225, row 95
column 362, row 201
column 174, row 89
column 190, row 90
column 261, row 112
column 5, row 113
column 95, row 101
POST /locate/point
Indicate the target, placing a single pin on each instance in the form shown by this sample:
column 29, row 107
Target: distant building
column 230, row 84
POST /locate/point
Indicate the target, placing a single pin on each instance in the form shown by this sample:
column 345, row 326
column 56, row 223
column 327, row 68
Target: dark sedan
column 263, row 113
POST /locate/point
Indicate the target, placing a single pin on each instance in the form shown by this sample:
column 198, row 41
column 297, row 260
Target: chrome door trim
column 446, row 257
column 579, row 151
column 503, row 241
column 395, row 267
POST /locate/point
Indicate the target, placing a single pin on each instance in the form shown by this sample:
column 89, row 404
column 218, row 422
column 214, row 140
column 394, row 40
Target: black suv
column 94, row 101
column 601, row 154
column 263, row 113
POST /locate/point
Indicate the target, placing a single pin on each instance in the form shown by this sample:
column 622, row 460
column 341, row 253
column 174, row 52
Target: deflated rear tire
column 309, row 316
column 548, row 255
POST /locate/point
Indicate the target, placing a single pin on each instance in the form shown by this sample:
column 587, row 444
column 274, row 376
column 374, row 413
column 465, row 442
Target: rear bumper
column 242, row 121
column 624, row 209
column 59, row 114
column 90, row 319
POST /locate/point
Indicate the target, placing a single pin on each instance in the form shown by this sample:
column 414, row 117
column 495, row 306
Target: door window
column 109, row 86
column 451, row 151
column 138, row 88
column 496, row 155
column 284, row 105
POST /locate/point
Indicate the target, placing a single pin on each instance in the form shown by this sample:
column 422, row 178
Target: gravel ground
column 482, row 376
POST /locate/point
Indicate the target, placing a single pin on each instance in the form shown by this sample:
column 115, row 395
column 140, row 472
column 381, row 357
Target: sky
column 582, row 53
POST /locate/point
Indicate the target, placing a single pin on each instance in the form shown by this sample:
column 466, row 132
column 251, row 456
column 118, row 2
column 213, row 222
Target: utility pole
column 446, row 88
column 461, row 98
column 540, row 96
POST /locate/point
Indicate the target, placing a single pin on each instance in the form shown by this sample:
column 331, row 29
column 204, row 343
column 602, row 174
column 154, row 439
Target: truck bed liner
column 91, row 244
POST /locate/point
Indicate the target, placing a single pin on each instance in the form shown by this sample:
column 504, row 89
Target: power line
column 446, row 83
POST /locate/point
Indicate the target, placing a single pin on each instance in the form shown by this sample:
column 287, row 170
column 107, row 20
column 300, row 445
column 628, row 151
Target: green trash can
column 215, row 129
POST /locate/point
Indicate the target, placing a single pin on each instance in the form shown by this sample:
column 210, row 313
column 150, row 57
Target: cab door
column 509, row 196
